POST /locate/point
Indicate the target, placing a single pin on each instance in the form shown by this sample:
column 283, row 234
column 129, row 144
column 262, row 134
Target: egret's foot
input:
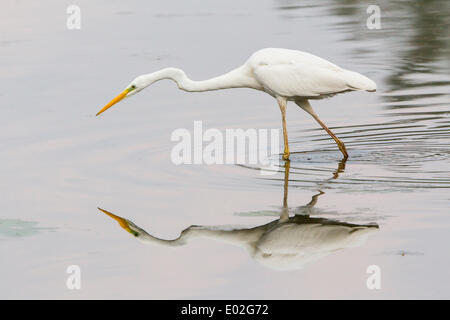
column 286, row 156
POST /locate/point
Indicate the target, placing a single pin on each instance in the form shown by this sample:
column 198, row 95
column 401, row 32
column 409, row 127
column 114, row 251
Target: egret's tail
column 357, row 81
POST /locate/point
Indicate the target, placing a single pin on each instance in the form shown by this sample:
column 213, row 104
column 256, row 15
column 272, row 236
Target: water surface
column 59, row 162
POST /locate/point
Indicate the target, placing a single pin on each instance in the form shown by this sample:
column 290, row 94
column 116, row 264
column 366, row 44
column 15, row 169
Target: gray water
column 59, row 162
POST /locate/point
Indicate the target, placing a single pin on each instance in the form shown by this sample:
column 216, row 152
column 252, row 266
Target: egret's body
column 287, row 75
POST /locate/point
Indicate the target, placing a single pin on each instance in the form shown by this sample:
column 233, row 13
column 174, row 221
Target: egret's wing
column 299, row 79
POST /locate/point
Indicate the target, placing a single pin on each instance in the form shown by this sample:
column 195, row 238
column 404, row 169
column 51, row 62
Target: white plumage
column 287, row 75
column 295, row 74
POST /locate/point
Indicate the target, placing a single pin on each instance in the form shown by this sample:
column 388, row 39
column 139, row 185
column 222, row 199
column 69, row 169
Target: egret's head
column 125, row 224
column 134, row 87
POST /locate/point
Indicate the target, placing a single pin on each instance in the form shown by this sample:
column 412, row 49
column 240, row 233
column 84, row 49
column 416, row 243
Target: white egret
column 287, row 75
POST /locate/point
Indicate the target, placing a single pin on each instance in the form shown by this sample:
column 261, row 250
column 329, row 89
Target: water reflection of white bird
column 287, row 243
column 287, row 75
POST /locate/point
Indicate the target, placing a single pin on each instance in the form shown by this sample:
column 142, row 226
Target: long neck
column 237, row 78
column 149, row 239
column 241, row 237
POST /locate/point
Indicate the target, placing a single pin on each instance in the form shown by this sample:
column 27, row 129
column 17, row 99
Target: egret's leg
column 282, row 103
column 314, row 199
column 304, row 104
column 284, row 214
column 287, row 167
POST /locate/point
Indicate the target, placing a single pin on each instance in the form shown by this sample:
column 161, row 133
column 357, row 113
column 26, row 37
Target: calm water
column 59, row 162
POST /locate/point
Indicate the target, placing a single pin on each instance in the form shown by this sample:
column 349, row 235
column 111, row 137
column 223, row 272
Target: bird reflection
column 286, row 243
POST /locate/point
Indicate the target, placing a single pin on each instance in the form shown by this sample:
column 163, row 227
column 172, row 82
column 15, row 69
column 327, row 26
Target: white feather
column 291, row 74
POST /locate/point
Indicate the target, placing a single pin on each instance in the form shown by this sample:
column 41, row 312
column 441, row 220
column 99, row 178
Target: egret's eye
column 133, row 87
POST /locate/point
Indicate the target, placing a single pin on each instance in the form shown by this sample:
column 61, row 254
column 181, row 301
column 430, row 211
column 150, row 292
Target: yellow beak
column 122, row 222
column 115, row 100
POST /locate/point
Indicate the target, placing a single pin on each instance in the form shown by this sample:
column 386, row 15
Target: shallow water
column 59, row 162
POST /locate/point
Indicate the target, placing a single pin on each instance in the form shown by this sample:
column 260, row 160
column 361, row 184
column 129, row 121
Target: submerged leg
column 314, row 199
column 304, row 104
column 282, row 103
column 284, row 214
column 287, row 167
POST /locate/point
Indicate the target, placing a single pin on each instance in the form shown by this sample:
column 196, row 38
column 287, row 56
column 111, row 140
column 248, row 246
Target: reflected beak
column 115, row 100
column 122, row 222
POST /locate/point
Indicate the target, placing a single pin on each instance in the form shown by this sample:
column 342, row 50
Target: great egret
column 287, row 75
